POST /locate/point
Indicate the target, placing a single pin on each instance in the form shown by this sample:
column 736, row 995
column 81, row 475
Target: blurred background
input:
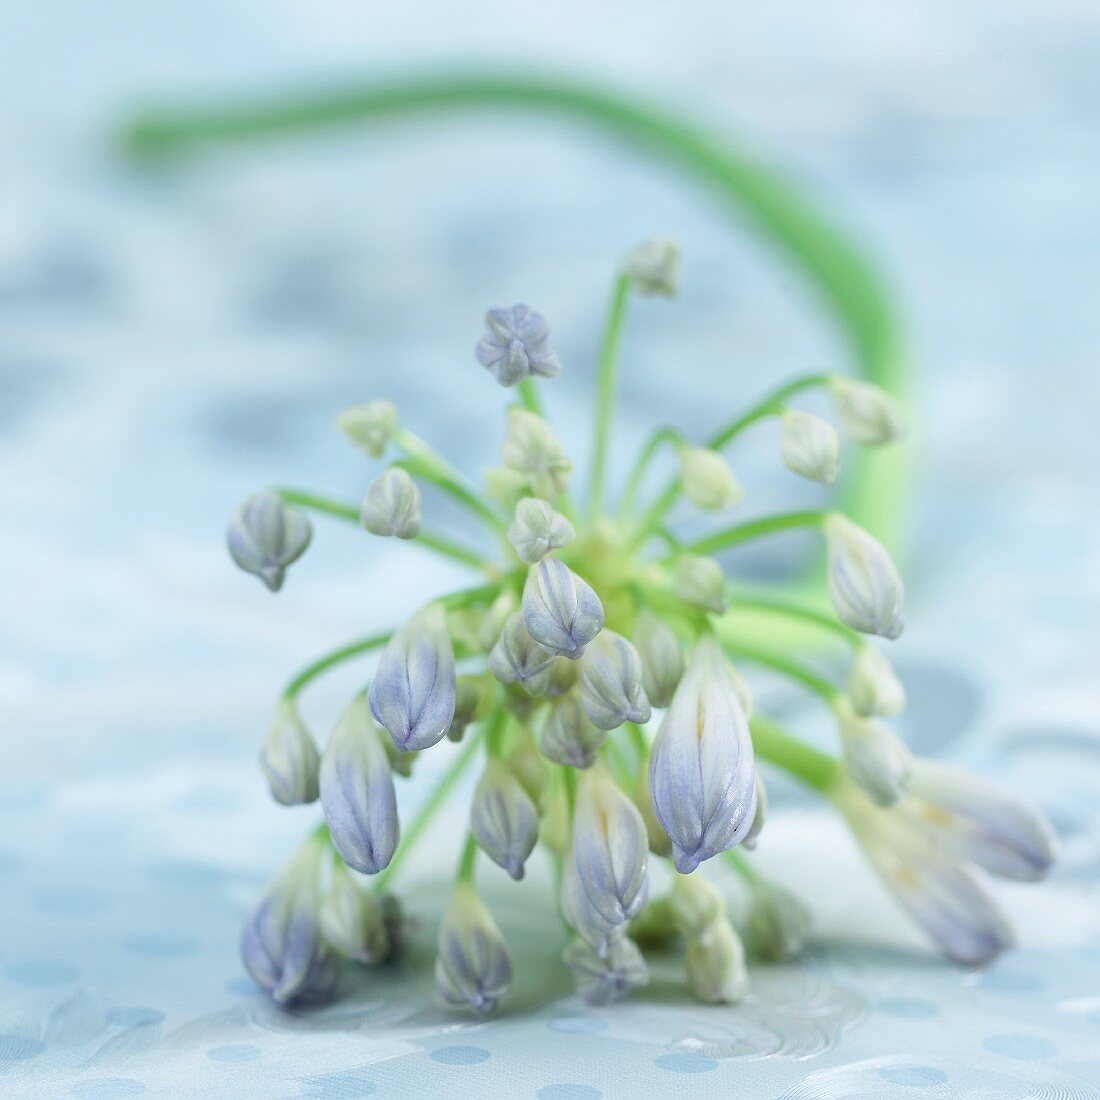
column 177, row 335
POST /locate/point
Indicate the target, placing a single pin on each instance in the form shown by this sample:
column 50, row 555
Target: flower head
column 472, row 966
column 392, row 505
column 701, row 767
column 369, row 426
column 602, row 979
column 560, row 610
column 289, row 758
column 867, row 413
column 503, row 818
column 653, row 268
column 809, row 446
column 515, row 346
column 532, row 450
column 265, row 536
column 538, row 530
column 357, row 792
column 707, row 479
column 413, row 693
column 863, row 581
column 873, row 687
column 611, row 682
column 353, row 920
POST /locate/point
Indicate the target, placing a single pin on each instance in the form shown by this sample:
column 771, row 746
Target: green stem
column 775, row 606
column 442, row 545
column 638, row 740
column 771, row 405
column 774, row 744
column 741, row 865
column 529, row 396
column 322, row 664
column 656, row 512
column 427, row 811
column 605, row 393
column 754, row 529
column 793, row 670
column 850, row 287
column 341, row 509
column 658, row 437
column 466, row 864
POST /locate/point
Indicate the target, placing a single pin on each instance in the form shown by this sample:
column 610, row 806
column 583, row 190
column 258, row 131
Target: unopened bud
column 809, row 447
column 653, row 268
column 700, row 581
column 370, row 426
column 538, row 530
column 707, row 479
column 265, row 536
column 392, row 505
column 867, row 413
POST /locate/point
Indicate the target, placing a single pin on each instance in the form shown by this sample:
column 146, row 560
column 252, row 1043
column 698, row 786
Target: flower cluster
column 592, row 674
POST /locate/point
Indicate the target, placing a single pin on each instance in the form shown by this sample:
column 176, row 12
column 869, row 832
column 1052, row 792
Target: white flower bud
column 873, row 755
column 370, row 426
column 694, row 905
column 602, row 979
column 537, row 530
column 518, row 659
column 707, row 479
column 503, row 819
column 352, row 919
column 560, row 610
column 472, row 966
column 863, row 581
column 568, row 737
column 265, row 536
column 653, row 268
column 392, row 505
column 867, row 413
column 289, row 758
column 515, row 346
column 531, row 449
column 778, row 924
column 662, row 658
column 610, row 847
column 715, row 964
column 611, row 683
column 809, row 447
column 700, row 581
column 413, row 694
column 873, row 687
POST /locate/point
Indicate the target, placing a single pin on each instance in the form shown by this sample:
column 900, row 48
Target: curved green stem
column 605, row 393
column 427, row 811
column 656, row 512
column 847, row 283
column 448, row 549
column 335, row 657
column 420, row 467
column 774, row 744
column 466, row 864
column 772, row 605
column 793, row 670
column 754, row 529
column 658, row 437
column 529, row 396
column 340, row 509
column 772, row 405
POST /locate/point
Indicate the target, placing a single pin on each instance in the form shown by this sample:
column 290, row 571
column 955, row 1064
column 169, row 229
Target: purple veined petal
column 580, row 914
column 472, row 967
column 863, row 582
column 611, row 683
column 357, row 793
column 516, row 658
column 701, row 765
column 515, row 345
column 560, row 610
column 413, row 693
column 265, row 536
column 504, row 819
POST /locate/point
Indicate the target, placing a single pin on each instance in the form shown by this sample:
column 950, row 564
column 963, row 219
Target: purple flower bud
column 701, row 768
column 560, row 610
column 472, row 965
column 265, row 536
column 568, row 737
column 413, row 694
column 863, row 581
column 503, row 818
column 611, row 683
column 517, row 658
column 392, row 505
column 357, row 792
column 538, row 530
column 602, row 979
column 289, row 759
column 515, row 346
column 579, row 912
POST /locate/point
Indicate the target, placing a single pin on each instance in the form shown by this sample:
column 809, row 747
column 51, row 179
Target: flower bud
column 467, row 701
column 873, row 755
column 778, row 924
column 515, row 346
column 392, row 505
column 653, row 268
column 518, row 659
column 289, row 759
column 265, row 536
column 715, row 964
column 661, row 656
column 472, row 966
column 611, row 683
column 413, row 694
column 531, row 449
column 369, row 426
column 538, row 530
column 603, row 979
column 568, row 737
column 863, row 581
column 809, row 447
column 707, row 479
column 701, row 766
column 357, row 793
column 758, row 817
column 700, row 581
column 694, row 905
column 503, row 818
column 353, row 920
column 579, row 912
column 560, row 610
column 873, row 687
column 867, row 413
column 281, row 942
column 610, row 847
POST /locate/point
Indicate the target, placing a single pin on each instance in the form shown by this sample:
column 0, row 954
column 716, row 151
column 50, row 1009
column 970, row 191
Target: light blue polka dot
column 568, row 1092
column 914, row 1077
column 107, row 1088
column 1028, row 1047
column 135, row 1016
column 235, row 1052
column 578, row 1025
column 459, row 1056
column 686, row 1063
column 908, row 1008
column 18, row 1048
column 1011, row 982
column 162, row 946
column 41, row 972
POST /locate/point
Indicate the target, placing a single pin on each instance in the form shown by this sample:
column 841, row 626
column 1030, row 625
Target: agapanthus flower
column 532, row 451
column 472, row 966
column 863, row 581
column 661, row 656
column 875, row 758
column 873, row 687
column 568, row 737
column 353, row 920
column 289, row 758
column 392, row 505
column 516, row 658
column 266, row 535
column 611, row 683
column 538, row 530
column 867, row 413
column 653, row 267
column 700, row 581
column 707, row 479
column 602, row 979
column 809, row 447
column 560, row 610
column 503, row 818
column 370, row 426
column 515, row 346
column 714, row 960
